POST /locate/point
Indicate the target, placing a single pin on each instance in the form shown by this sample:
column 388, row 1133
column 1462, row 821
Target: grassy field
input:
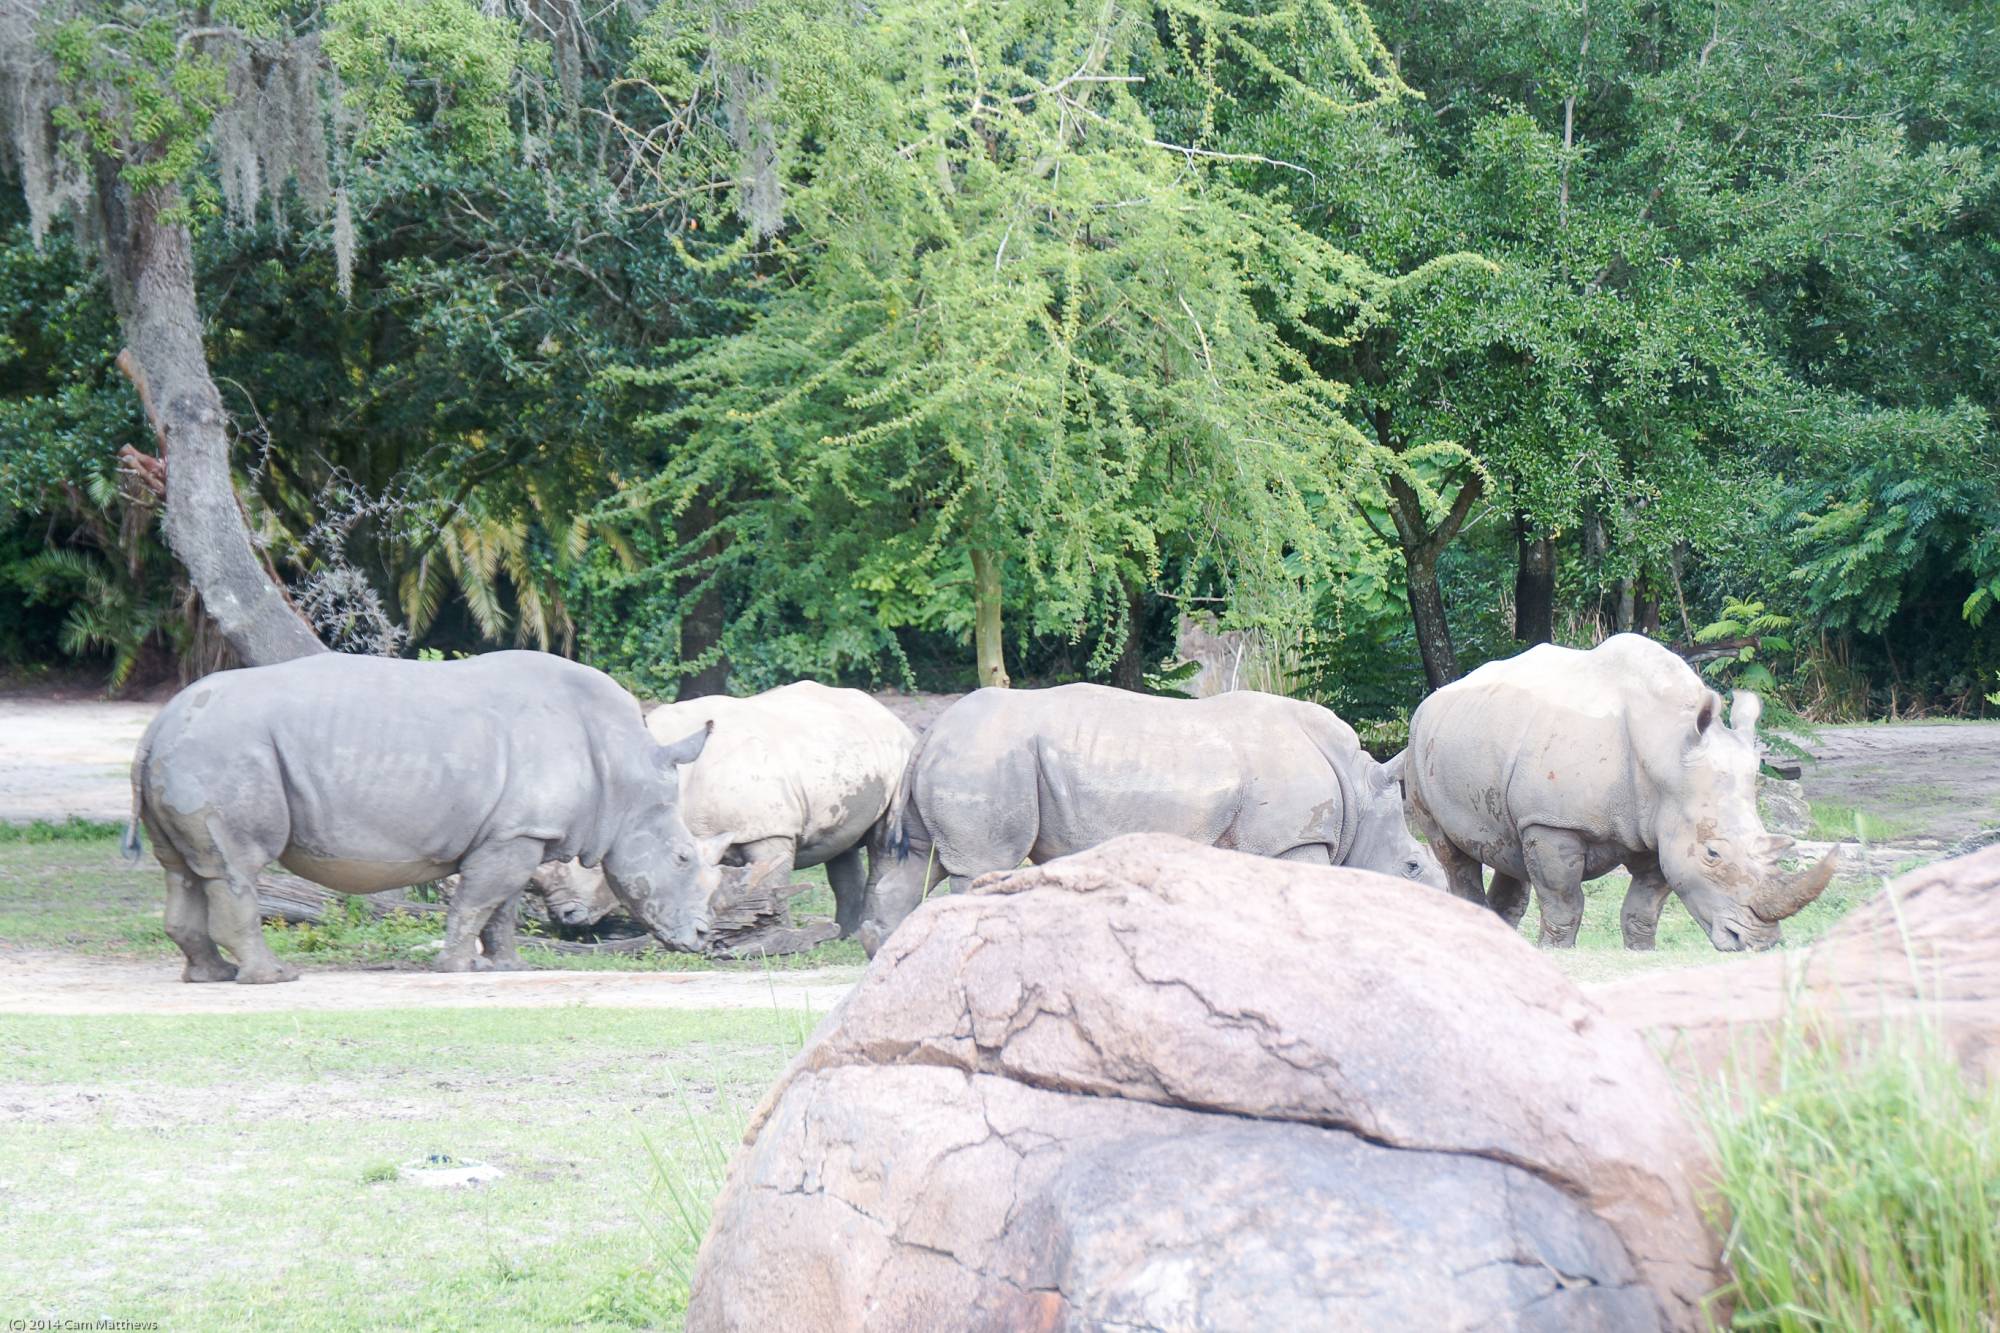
column 241, row 1171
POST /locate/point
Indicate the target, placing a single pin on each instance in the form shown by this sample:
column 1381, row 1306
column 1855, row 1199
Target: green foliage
column 1862, row 1193
column 998, row 311
column 74, row 829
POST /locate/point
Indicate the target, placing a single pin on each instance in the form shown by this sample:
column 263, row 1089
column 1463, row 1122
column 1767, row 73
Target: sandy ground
column 60, row 758
column 38, row 981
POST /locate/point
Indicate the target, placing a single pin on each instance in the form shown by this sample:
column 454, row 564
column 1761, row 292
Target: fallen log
column 299, row 902
column 1921, row 959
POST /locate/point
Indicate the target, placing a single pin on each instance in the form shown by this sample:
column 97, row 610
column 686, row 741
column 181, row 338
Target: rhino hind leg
column 1508, row 896
column 849, row 880
column 1555, row 860
column 490, row 878
column 1639, row 919
column 235, row 922
column 187, row 926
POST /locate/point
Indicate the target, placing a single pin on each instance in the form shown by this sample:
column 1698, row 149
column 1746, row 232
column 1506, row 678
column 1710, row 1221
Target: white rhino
column 801, row 775
column 369, row 773
column 1006, row 776
column 1555, row 766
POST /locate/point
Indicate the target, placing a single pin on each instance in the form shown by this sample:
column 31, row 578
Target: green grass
column 1862, row 1196
column 1832, row 822
column 74, row 829
column 241, row 1171
column 77, row 893
column 1600, row 953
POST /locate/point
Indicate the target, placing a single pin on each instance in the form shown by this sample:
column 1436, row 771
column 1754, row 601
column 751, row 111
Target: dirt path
column 60, row 758
column 35, row 981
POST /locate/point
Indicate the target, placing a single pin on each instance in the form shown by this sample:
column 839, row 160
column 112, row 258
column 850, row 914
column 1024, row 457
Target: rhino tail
column 133, row 844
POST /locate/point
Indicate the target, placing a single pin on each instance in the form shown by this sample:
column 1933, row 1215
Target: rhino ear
column 713, row 849
column 1704, row 721
column 1744, row 710
column 1389, row 773
column 683, row 751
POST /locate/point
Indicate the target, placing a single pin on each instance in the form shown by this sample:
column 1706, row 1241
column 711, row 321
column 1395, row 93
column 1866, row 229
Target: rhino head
column 663, row 873
column 574, row 894
column 1714, row 850
column 1382, row 840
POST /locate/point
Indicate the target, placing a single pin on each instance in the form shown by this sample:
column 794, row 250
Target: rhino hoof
column 265, row 976
column 447, row 963
column 512, row 964
column 209, row 972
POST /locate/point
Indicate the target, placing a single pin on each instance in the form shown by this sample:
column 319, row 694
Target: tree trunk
column 1646, row 616
column 150, row 263
column 1129, row 671
column 1428, row 618
column 986, row 618
column 1534, row 586
column 702, row 622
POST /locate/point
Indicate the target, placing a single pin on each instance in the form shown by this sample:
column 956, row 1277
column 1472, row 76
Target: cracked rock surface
column 1163, row 1086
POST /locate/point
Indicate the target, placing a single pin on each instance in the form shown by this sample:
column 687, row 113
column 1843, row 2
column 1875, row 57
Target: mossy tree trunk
column 992, row 663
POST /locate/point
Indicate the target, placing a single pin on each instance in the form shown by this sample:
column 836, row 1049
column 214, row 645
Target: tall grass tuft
column 1865, row 1192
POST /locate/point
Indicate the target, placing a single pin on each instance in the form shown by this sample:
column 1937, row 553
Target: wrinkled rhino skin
column 1556, row 766
column 1098, row 1093
column 363, row 774
column 1007, row 776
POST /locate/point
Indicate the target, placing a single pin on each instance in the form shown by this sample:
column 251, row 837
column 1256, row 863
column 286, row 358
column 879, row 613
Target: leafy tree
column 1006, row 331
column 109, row 107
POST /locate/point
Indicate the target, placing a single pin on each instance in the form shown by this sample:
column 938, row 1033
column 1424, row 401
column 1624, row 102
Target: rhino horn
column 1785, row 895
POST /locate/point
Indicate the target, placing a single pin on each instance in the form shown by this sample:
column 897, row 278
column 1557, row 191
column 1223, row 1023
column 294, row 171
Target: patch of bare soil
column 36, row 981
column 1940, row 781
column 63, row 756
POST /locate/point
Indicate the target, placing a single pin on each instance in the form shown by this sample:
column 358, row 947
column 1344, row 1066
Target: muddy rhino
column 368, row 773
column 801, row 775
column 1555, row 766
column 1007, row 776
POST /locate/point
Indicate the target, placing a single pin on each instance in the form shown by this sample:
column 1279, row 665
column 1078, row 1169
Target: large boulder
column 1162, row 1085
column 1924, row 953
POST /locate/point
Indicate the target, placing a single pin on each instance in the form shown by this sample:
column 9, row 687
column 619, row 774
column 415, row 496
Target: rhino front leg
column 497, row 938
column 187, row 926
column 1508, row 896
column 1555, row 860
column 490, row 878
column 1639, row 919
column 849, row 880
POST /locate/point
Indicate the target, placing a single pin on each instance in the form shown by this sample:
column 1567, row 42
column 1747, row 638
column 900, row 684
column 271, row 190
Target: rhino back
column 1236, row 770
column 1556, row 737
column 391, row 762
column 803, row 761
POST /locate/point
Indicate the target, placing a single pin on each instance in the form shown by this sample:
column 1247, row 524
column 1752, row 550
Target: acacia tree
column 1012, row 341
column 110, row 108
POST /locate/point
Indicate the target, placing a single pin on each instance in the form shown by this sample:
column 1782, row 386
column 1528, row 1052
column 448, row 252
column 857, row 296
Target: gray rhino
column 1006, row 776
column 1555, row 766
column 801, row 775
column 370, row 773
